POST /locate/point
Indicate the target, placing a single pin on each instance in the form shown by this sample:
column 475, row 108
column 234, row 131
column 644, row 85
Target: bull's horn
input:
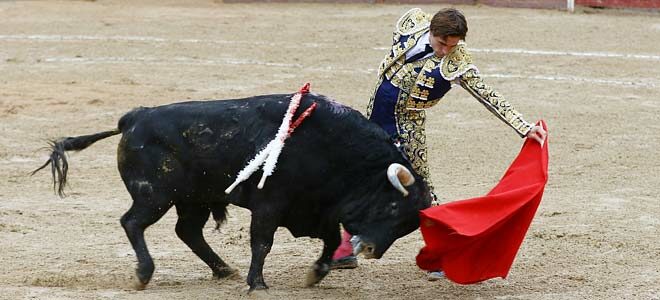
column 400, row 177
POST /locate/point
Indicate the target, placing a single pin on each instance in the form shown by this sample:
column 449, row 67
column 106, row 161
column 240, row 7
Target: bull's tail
column 58, row 161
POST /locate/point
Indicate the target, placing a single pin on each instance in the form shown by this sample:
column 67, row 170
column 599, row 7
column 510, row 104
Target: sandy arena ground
column 72, row 68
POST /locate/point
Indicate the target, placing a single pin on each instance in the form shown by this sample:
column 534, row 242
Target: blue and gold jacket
column 424, row 82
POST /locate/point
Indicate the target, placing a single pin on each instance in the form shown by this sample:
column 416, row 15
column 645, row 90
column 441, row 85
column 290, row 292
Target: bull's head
column 387, row 212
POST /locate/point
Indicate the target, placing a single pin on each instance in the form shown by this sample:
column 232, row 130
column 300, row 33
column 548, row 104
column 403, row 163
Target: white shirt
column 420, row 46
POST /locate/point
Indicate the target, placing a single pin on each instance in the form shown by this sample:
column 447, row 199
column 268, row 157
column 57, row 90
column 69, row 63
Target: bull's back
column 197, row 146
column 202, row 146
column 201, row 129
column 211, row 112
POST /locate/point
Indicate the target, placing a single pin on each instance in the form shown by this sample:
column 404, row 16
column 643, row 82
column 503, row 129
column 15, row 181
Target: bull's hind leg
column 192, row 219
column 152, row 176
column 147, row 209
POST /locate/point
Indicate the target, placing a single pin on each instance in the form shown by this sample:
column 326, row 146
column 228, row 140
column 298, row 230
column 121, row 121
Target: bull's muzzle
column 359, row 246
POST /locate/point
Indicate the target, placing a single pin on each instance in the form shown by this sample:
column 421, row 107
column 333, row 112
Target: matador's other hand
column 538, row 134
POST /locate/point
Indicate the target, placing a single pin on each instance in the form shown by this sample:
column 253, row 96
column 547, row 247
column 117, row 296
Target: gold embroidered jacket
column 422, row 84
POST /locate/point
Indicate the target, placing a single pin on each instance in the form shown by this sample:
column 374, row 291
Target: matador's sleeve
column 457, row 67
column 472, row 82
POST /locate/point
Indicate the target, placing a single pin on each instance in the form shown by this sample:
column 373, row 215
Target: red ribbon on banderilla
column 269, row 155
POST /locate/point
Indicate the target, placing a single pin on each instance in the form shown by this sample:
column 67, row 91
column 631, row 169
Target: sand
column 75, row 67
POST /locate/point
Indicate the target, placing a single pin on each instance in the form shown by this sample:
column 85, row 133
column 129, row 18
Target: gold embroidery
column 424, row 83
column 424, row 95
column 429, row 82
column 410, row 125
column 456, row 63
column 409, row 114
column 415, row 92
column 413, row 21
column 472, row 82
column 400, row 48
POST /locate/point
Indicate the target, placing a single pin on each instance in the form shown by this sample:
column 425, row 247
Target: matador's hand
column 538, row 134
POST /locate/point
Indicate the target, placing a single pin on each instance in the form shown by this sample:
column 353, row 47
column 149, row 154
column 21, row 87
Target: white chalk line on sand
column 157, row 61
column 58, row 38
column 206, row 62
column 576, row 79
column 569, row 53
column 119, row 38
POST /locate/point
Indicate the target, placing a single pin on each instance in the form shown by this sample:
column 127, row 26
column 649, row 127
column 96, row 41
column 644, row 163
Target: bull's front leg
column 331, row 239
column 262, row 229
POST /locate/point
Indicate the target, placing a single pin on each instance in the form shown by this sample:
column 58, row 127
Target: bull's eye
column 394, row 208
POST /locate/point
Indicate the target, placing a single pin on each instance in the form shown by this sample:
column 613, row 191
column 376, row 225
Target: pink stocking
column 345, row 248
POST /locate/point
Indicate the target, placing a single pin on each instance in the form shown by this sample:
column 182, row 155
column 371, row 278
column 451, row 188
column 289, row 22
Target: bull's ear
column 400, row 177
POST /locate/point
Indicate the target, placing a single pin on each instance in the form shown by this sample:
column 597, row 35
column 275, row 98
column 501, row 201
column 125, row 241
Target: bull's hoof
column 226, row 273
column 140, row 284
column 259, row 293
column 143, row 277
column 316, row 274
column 258, row 289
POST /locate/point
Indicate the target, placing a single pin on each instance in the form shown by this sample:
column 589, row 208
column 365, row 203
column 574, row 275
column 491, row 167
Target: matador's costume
column 407, row 86
column 405, row 89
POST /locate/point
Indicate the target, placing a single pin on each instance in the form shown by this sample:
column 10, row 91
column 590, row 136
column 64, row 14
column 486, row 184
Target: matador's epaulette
column 413, row 21
column 457, row 62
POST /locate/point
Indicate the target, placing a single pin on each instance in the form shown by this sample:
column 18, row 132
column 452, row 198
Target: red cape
column 477, row 239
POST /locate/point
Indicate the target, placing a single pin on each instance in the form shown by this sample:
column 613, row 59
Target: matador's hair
column 449, row 22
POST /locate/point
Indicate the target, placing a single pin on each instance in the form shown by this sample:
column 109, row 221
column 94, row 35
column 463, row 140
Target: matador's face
column 442, row 45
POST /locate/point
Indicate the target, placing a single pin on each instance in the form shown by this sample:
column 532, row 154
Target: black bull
column 333, row 169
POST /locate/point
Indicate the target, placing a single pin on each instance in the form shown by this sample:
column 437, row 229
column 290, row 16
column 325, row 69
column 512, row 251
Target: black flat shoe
column 346, row 262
